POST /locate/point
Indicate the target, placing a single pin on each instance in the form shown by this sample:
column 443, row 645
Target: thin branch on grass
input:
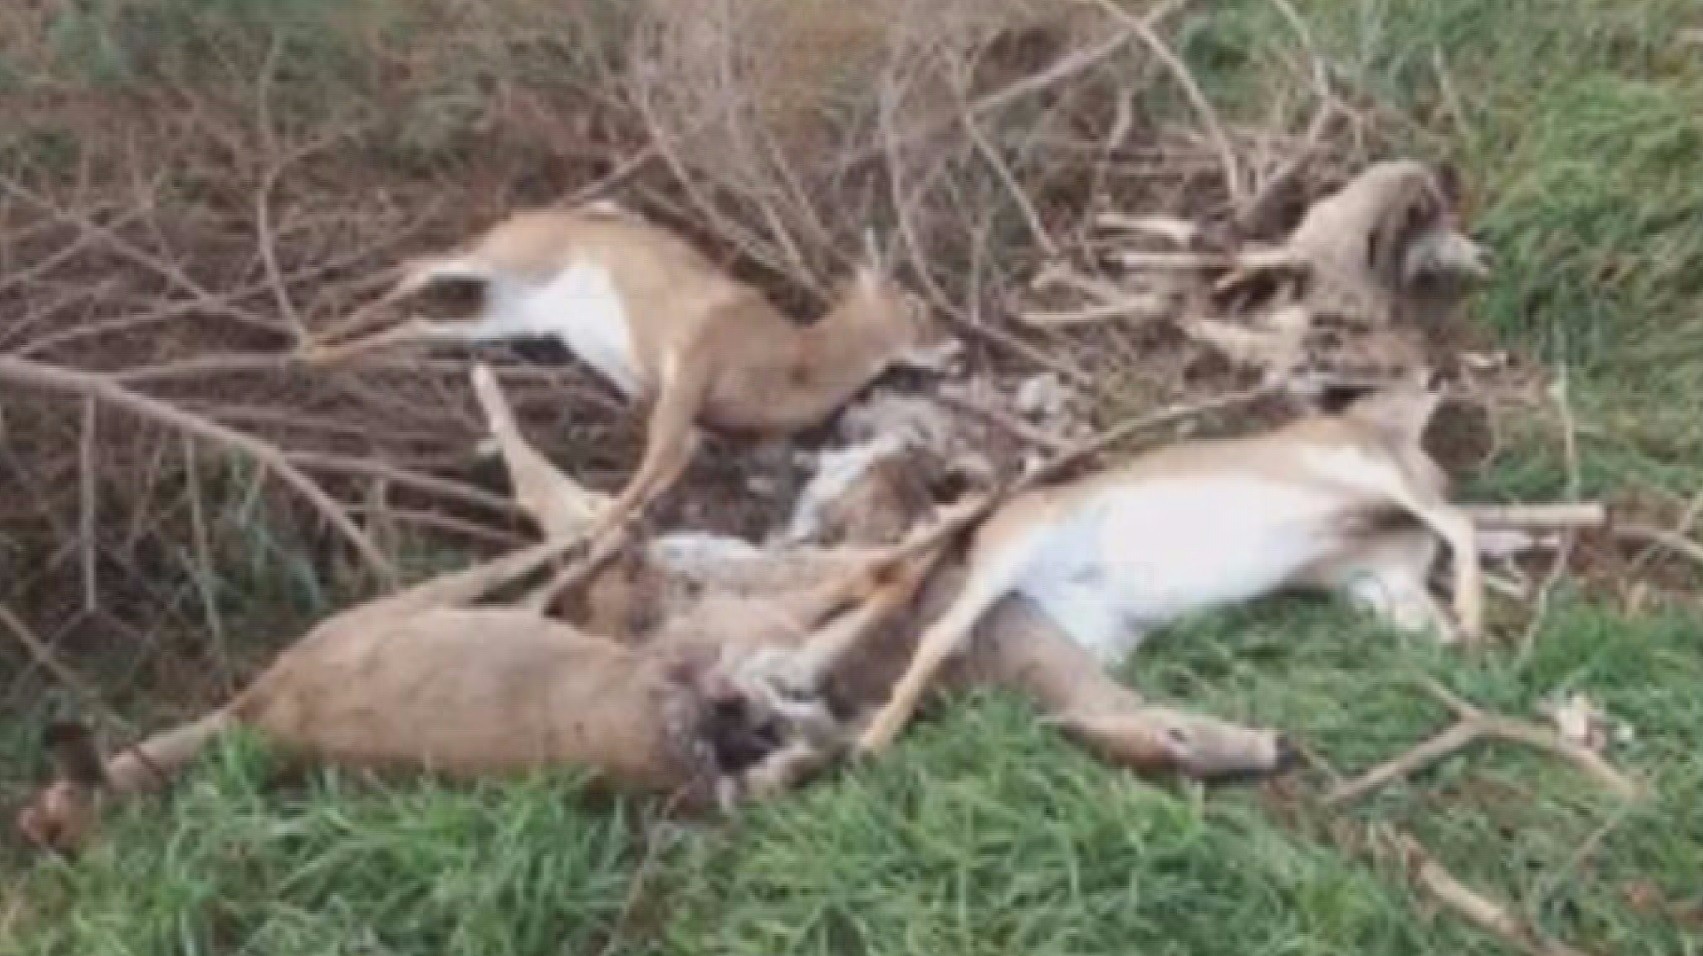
column 625, row 168
column 1473, row 724
column 431, row 519
column 1568, row 515
column 1256, row 216
column 888, row 97
column 1492, row 916
column 1558, row 563
column 1136, row 305
column 107, row 389
column 1681, row 531
column 1671, row 541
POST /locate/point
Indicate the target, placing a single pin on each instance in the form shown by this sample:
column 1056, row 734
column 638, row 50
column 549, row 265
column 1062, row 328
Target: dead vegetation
column 176, row 218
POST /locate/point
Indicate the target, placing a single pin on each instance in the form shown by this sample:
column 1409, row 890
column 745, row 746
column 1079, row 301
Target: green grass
column 985, row 833
column 1578, row 123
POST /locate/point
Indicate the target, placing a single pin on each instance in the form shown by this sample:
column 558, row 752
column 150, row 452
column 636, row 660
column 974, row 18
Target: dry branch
column 1582, row 514
column 48, row 661
column 107, row 389
column 1473, row 724
column 1490, row 915
column 1143, row 28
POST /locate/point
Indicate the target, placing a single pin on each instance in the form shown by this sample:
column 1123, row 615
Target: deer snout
column 1208, row 748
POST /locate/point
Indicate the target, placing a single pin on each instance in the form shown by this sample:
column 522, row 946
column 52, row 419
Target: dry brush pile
column 190, row 191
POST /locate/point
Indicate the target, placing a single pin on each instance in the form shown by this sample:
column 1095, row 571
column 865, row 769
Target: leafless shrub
column 182, row 201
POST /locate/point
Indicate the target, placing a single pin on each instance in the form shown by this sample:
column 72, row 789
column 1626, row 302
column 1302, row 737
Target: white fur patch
column 580, row 307
column 688, row 552
column 836, row 471
column 1138, row 556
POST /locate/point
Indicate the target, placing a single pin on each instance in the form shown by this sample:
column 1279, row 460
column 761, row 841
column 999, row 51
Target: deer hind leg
column 994, row 572
column 63, row 814
column 1019, row 648
column 1385, row 575
column 410, row 331
column 1389, row 478
column 1456, row 529
column 671, row 439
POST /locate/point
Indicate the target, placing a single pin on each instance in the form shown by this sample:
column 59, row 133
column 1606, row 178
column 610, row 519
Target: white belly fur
column 581, row 307
column 1138, row 556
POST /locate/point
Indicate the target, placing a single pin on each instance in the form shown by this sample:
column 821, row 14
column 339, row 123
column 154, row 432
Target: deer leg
column 671, row 440
column 1385, row 575
column 990, row 580
column 1019, row 648
column 413, row 330
column 1390, row 478
column 559, row 505
column 63, row 814
column 1458, row 532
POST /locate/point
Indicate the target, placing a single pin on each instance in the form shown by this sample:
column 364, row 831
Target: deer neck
column 842, row 352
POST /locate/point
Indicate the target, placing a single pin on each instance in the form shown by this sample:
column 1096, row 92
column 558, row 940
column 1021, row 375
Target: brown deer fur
column 1347, row 501
column 662, row 323
column 423, row 679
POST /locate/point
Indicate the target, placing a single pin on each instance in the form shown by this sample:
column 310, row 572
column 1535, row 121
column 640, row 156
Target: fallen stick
column 1471, row 725
column 1656, row 537
column 1492, row 916
column 103, row 387
column 1584, row 514
column 1139, row 305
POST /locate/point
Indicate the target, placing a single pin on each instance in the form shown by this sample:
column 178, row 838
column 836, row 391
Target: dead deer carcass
column 425, row 679
column 1354, row 294
column 655, row 318
column 1346, row 502
column 701, row 578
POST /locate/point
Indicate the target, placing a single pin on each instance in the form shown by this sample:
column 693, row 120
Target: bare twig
column 1681, row 531
column 1138, row 305
column 1179, row 70
column 375, row 468
column 1581, row 514
column 431, row 519
column 1065, row 67
column 48, row 661
column 200, row 539
column 1492, row 916
column 1031, row 216
column 166, row 270
column 1018, row 428
column 919, row 264
column 107, row 389
column 1471, row 725
column 1672, row 541
column 89, row 505
column 1558, row 563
